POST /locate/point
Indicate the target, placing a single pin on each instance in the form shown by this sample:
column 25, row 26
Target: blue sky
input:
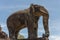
column 7, row 7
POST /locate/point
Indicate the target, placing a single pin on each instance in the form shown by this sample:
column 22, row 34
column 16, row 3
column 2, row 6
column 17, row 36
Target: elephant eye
column 36, row 9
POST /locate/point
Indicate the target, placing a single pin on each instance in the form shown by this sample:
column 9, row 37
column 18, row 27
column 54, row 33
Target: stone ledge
column 35, row 39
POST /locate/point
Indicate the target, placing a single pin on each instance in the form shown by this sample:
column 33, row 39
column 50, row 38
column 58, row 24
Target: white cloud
column 55, row 37
column 3, row 25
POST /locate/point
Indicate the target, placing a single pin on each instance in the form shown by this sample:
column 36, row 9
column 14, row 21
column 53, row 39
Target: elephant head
column 38, row 10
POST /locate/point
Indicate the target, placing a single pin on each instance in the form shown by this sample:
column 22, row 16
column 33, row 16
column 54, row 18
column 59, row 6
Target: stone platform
column 36, row 39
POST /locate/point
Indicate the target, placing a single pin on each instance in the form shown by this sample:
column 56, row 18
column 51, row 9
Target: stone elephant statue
column 27, row 18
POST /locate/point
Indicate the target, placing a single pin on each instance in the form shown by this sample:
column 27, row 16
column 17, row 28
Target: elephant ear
column 34, row 8
column 31, row 8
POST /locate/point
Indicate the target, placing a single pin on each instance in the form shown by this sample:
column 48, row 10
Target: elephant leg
column 35, row 29
column 11, row 34
column 32, row 30
column 32, row 33
column 16, row 34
